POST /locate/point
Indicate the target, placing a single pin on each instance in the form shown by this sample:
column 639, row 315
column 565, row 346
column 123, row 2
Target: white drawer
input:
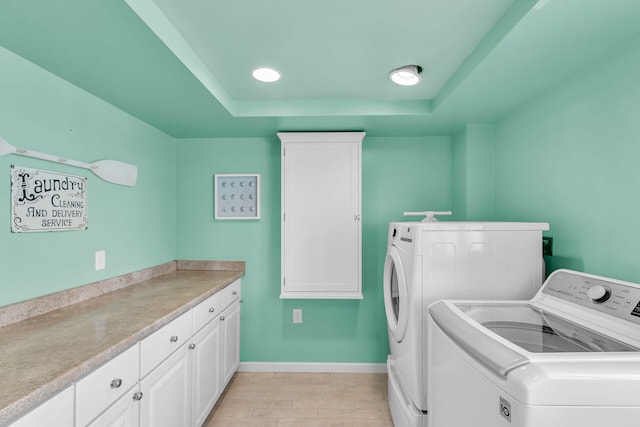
column 159, row 345
column 230, row 294
column 98, row 390
column 206, row 311
column 58, row 408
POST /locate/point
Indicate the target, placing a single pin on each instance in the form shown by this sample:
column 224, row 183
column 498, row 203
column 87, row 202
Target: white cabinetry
column 159, row 345
column 104, row 386
column 182, row 389
column 230, row 324
column 125, row 412
column 321, row 202
column 216, row 354
column 207, row 381
column 206, row 346
column 166, row 392
column 171, row 378
column 58, row 408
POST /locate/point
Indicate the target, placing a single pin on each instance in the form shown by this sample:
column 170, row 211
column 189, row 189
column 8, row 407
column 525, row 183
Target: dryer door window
column 395, row 295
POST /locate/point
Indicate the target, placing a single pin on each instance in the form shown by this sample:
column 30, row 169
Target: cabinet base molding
column 338, row 368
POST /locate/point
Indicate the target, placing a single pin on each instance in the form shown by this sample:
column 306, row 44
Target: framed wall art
column 237, row 196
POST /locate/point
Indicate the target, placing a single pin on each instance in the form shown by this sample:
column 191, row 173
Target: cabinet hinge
column 284, row 282
column 284, row 216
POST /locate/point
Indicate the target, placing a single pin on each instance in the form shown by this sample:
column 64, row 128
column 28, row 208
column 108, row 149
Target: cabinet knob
column 192, row 346
column 221, row 317
column 137, row 395
column 212, row 309
column 174, row 338
column 235, row 292
column 116, row 383
column 241, row 300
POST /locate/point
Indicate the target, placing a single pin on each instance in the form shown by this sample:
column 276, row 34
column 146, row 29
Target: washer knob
column 598, row 294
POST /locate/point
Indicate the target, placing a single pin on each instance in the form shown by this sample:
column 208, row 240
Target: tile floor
column 303, row 400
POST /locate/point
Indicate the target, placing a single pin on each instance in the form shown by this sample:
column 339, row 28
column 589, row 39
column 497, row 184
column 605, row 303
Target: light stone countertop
column 42, row 355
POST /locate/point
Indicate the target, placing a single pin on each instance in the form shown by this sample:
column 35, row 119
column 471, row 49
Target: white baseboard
column 343, row 368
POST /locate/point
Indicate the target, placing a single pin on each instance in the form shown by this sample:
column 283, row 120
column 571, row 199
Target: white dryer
column 427, row 261
column 568, row 357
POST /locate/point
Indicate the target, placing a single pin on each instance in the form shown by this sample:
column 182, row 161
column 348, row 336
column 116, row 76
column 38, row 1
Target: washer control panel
column 619, row 299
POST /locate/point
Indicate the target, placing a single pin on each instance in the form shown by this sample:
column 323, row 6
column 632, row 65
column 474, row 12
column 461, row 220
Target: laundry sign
column 47, row 201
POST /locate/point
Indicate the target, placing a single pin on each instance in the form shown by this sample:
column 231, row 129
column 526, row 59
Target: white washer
column 568, row 357
column 427, row 261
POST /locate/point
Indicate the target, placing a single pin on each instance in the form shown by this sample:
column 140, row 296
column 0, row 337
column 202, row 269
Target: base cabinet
column 230, row 323
column 172, row 378
column 125, row 412
column 166, row 392
column 58, row 408
column 207, row 378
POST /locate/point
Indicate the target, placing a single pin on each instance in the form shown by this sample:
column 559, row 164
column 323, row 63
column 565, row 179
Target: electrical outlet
column 547, row 245
column 297, row 315
column 101, row 260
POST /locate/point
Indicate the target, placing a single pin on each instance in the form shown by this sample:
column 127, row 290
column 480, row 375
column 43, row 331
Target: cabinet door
column 207, row 381
column 58, row 408
column 125, row 412
column 166, row 392
column 321, row 215
column 230, row 324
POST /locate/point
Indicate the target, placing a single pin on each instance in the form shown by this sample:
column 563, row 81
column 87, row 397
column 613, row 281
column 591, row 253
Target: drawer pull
column 192, row 346
column 235, row 292
column 241, row 300
column 221, row 317
column 212, row 309
column 174, row 338
column 137, row 395
column 116, row 383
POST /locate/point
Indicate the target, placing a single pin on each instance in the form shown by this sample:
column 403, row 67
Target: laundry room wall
column 399, row 174
column 134, row 225
column 473, row 173
column 571, row 157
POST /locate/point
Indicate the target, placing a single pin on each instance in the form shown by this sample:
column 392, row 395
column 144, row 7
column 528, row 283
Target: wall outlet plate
column 101, row 260
column 297, row 315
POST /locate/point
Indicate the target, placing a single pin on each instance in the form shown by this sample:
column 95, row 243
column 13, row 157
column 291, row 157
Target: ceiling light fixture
column 409, row 75
column 266, row 74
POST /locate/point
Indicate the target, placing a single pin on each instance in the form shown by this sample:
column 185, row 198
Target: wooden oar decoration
column 109, row 170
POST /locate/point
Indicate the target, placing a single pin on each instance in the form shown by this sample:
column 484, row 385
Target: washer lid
column 539, row 331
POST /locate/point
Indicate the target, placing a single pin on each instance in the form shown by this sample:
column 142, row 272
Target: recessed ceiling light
column 266, row 74
column 408, row 75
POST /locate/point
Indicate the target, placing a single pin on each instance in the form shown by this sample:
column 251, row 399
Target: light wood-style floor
column 303, row 400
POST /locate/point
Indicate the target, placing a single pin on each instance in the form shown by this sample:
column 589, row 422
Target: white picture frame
column 237, row 196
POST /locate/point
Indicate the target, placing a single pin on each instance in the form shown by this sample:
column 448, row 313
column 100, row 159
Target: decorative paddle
column 110, row 170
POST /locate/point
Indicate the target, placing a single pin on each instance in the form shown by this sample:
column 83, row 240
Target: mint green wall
column 135, row 225
column 399, row 174
column 473, row 173
column 572, row 158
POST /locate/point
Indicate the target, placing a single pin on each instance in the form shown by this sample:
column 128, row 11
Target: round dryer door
column 396, row 295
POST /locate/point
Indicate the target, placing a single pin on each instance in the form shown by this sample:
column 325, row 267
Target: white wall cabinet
column 171, row 378
column 321, row 203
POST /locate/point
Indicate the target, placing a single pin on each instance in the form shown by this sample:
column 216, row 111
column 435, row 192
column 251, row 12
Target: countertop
column 42, row 355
